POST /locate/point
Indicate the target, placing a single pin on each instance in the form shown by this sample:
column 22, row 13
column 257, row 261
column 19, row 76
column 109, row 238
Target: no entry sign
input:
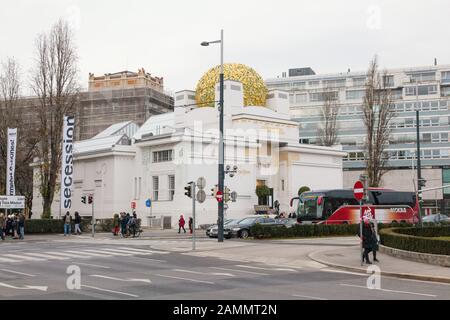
column 219, row 196
column 358, row 190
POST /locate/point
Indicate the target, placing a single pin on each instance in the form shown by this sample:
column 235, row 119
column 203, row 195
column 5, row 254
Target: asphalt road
column 39, row 270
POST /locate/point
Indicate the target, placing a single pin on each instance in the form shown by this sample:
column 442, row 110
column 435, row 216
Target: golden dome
column 255, row 90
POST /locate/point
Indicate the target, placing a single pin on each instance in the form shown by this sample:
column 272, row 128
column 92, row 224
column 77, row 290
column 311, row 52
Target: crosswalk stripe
column 64, row 254
column 109, row 253
column 125, row 251
column 89, row 254
column 8, row 260
column 46, row 256
column 142, row 250
column 22, row 257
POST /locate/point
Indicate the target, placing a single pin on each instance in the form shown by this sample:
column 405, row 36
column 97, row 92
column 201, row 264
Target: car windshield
column 247, row 221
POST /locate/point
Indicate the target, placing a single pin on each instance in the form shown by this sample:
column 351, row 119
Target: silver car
column 436, row 218
column 214, row 230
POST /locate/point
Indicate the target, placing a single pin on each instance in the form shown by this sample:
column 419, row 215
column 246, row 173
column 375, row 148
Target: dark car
column 242, row 228
column 212, row 231
column 287, row 222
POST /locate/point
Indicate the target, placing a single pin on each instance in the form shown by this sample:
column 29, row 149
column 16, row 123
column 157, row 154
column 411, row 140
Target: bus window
column 394, row 198
column 327, row 210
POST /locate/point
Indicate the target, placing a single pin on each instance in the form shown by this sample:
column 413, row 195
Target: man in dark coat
column 367, row 239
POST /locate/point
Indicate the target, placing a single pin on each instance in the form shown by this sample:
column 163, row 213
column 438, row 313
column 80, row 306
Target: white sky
column 269, row 35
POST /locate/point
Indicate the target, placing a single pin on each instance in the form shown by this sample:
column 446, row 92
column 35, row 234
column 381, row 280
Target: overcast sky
column 269, row 35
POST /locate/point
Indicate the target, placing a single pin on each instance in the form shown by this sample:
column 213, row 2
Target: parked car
column 242, row 228
column 288, row 222
column 212, row 231
column 436, row 218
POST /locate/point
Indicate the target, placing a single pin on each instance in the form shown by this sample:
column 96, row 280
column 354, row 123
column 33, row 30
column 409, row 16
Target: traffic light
column 83, row 199
column 214, row 191
column 226, row 195
column 188, row 191
column 422, row 182
column 90, row 199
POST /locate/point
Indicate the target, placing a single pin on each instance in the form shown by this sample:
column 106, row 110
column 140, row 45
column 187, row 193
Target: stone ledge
column 436, row 259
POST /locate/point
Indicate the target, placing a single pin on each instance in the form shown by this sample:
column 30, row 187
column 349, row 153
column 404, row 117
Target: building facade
column 428, row 88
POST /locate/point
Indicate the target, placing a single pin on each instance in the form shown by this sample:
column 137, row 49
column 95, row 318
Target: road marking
column 82, row 254
column 345, row 272
column 22, row 257
column 46, row 256
column 143, row 250
column 197, row 272
column 270, row 269
column 387, row 290
column 64, row 254
column 308, row 297
column 118, row 279
column 40, row 288
column 243, row 271
column 187, row 279
column 125, row 251
column 112, row 291
column 93, row 265
column 17, row 272
column 8, row 260
column 107, row 253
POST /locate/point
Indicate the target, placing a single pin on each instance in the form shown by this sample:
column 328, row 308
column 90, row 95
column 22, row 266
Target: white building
column 124, row 164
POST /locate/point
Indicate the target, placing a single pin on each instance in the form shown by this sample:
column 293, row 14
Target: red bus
column 340, row 207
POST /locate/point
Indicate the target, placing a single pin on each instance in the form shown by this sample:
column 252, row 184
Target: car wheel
column 244, row 234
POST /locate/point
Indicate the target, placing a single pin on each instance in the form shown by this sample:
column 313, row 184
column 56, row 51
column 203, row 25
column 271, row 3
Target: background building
column 306, row 97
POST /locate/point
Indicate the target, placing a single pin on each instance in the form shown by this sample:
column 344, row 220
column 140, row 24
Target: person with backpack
column 77, row 223
column 67, row 221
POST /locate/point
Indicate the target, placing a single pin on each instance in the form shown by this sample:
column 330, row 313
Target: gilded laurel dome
column 255, row 90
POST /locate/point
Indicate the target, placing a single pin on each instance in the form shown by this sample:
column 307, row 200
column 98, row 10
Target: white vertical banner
column 67, row 163
column 11, row 162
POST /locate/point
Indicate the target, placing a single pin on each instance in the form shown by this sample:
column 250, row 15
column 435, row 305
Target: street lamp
column 419, row 171
column 221, row 144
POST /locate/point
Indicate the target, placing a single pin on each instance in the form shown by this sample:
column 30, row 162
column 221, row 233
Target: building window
column 321, row 96
column 171, row 187
column 445, row 76
column 423, row 76
column 314, row 84
column 162, row 156
column 299, row 98
column 334, row 83
column 155, row 188
column 359, row 82
column 388, row 81
column 355, row 94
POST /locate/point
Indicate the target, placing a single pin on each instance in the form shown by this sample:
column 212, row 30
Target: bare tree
column 377, row 114
column 54, row 81
column 11, row 116
column 327, row 131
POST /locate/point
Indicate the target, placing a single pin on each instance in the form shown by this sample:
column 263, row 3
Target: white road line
column 8, row 260
column 125, row 251
column 17, row 272
column 46, row 256
column 308, row 297
column 107, row 253
column 93, row 265
column 64, row 254
column 187, row 279
column 187, row 271
column 344, row 272
column 203, row 273
column 82, row 254
column 118, row 279
column 387, row 290
column 112, row 291
column 243, row 271
column 143, row 250
column 21, row 257
column 270, row 269
column 40, row 288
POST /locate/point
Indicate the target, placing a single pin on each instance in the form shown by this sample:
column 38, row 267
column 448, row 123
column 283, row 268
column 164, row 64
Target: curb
column 410, row 276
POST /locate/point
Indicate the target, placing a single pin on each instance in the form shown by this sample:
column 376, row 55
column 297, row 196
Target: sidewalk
column 349, row 259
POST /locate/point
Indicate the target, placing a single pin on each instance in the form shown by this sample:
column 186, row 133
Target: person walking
column 2, row 225
column 191, row 222
column 77, row 221
column 181, row 224
column 367, row 240
column 116, row 224
column 21, row 225
column 15, row 225
column 67, row 221
column 123, row 224
column 375, row 241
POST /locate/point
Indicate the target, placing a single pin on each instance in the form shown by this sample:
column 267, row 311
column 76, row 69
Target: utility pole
column 419, row 171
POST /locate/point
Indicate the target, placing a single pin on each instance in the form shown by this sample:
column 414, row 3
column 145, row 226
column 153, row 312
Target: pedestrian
column 132, row 224
column 77, row 221
column 21, row 225
column 191, row 222
column 116, row 224
column 67, row 221
column 375, row 240
column 2, row 225
column 123, row 224
column 181, row 223
column 8, row 225
column 15, row 225
column 367, row 240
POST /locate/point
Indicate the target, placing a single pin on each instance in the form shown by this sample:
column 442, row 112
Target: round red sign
column 219, row 196
column 358, row 190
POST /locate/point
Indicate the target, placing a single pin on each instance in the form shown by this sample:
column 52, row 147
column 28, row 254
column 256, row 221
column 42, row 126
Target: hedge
column 417, row 239
column 311, row 230
column 57, row 225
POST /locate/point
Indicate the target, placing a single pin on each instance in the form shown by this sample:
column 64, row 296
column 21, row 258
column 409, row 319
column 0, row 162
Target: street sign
column 12, row 202
column 358, row 190
column 201, row 183
column 148, row 203
column 201, row 196
column 219, row 196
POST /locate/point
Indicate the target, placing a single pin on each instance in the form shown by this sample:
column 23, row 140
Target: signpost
column 12, row 202
column 358, row 193
column 148, row 204
column 219, row 196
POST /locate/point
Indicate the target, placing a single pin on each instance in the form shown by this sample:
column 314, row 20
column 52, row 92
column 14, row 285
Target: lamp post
column 221, row 144
column 419, row 171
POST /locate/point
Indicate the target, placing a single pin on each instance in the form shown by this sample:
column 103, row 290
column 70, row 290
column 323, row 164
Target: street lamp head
column 205, row 43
